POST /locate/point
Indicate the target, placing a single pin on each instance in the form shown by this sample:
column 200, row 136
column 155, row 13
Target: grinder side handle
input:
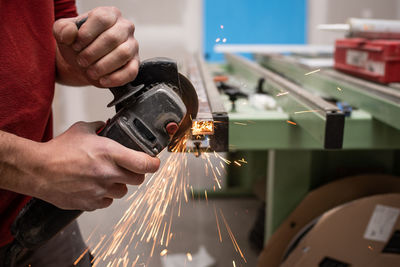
column 39, row 221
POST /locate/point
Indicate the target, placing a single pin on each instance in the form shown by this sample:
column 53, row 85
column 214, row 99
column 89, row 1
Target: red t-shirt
column 27, row 76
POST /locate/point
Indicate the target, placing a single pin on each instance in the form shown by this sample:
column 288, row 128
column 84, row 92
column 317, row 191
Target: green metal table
column 292, row 157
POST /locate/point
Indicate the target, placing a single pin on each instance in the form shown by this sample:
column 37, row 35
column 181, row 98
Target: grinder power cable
column 153, row 111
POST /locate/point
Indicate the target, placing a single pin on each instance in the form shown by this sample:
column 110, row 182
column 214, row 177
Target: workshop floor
column 195, row 228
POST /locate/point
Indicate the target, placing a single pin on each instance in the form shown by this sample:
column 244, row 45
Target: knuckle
column 58, row 27
column 132, row 72
column 87, row 55
column 96, row 191
column 125, row 51
column 99, row 68
column 111, row 39
column 117, row 80
column 129, row 26
column 108, row 148
column 114, row 10
column 106, row 17
column 85, row 37
column 99, row 172
column 135, row 43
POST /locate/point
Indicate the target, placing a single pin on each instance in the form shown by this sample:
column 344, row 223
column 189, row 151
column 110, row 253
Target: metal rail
column 382, row 102
column 321, row 119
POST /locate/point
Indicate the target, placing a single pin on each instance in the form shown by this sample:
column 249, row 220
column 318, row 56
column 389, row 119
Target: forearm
column 16, row 163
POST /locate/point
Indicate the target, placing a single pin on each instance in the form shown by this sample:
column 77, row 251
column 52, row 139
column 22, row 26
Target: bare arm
column 103, row 52
column 16, row 163
column 76, row 170
column 80, row 170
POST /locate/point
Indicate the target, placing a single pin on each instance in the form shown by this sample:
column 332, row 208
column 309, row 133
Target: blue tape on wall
column 253, row 22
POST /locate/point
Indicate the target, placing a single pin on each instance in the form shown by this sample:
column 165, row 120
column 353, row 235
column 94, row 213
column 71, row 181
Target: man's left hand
column 103, row 51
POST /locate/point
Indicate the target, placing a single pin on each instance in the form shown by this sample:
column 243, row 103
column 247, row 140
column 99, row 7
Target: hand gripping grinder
column 153, row 111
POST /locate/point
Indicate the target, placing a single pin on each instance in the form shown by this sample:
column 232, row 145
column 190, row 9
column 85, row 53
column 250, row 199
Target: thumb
column 87, row 127
column 93, row 127
column 65, row 31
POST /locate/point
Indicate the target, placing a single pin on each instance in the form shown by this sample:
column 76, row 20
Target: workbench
column 295, row 159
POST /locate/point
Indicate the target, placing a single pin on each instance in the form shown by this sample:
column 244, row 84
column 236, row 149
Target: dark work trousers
column 60, row 251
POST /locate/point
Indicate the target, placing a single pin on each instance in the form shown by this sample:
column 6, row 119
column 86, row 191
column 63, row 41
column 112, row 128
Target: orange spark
column 291, row 122
column 81, row 256
column 281, row 94
column 189, row 256
column 307, row 111
column 136, row 260
column 149, row 218
column 311, row 72
column 243, row 160
column 219, row 230
column 234, row 242
column 237, row 163
column 164, row 252
column 340, row 89
column 202, row 127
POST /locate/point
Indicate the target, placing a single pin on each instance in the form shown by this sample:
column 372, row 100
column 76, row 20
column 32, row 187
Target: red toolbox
column 375, row 60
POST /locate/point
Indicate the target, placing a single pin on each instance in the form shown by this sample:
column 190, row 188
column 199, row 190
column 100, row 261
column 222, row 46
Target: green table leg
column 288, row 181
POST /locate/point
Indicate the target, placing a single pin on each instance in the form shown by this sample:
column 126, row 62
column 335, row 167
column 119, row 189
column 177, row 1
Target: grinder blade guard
column 158, row 96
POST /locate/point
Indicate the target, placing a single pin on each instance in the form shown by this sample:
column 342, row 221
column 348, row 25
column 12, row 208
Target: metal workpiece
column 211, row 111
column 321, row 119
column 382, row 102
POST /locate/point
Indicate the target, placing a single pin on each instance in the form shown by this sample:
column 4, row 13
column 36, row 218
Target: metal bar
column 291, row 48
column 220, row 140
column 322, row 120
column 216, row 104
column 382, row 102
column 210, row 105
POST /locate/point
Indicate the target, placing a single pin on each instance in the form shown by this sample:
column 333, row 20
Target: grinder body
column 142, row 124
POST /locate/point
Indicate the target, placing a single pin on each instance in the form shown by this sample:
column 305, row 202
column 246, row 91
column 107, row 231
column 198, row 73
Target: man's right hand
column 80, row 170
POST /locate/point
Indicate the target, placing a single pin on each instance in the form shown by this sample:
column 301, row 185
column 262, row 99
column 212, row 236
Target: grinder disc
column 191, row 101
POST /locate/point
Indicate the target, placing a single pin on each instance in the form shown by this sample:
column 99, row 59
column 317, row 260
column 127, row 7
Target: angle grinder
column 153, row 111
